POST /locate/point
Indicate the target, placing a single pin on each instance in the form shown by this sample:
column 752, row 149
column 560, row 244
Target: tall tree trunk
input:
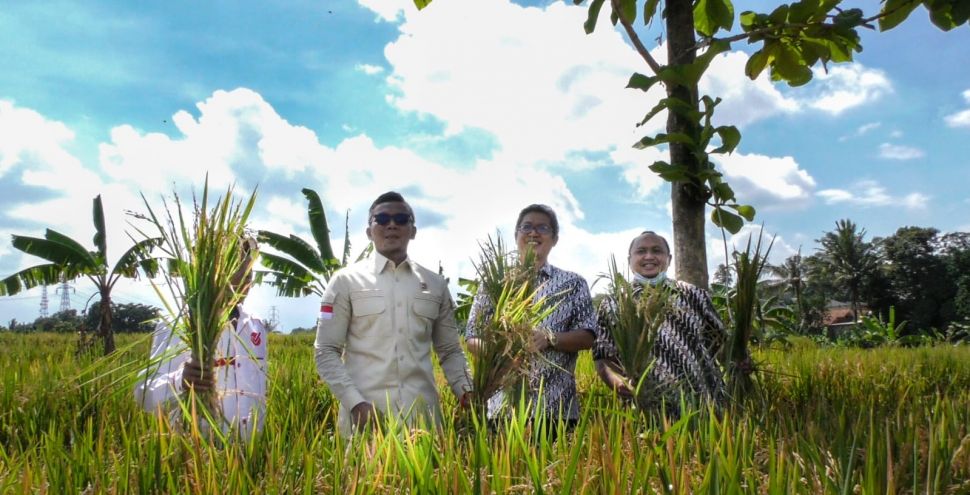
column 104, row 325
column 688, row 200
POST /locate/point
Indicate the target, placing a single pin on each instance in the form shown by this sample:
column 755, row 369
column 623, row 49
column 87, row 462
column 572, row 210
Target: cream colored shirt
column 378, row 324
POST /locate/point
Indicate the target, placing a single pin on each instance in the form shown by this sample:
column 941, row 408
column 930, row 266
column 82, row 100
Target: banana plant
column 69, row 260
column 302, row 268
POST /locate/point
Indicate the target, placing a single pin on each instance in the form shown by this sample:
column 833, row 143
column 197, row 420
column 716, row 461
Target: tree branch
column 635, row 39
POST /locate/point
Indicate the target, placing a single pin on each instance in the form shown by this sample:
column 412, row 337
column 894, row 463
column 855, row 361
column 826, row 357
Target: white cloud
column 899, row 152
column 369, row 69
column 961, row 118
column 745, row 101
column 27, row 138
column 867, row 193
column 848, row 86
column 235, row 130
column 767, row 181
column 780, row 248
column 529, row 76
column 862, row 130
column 36, row 148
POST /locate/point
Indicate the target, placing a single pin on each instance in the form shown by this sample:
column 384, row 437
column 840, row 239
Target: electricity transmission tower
column 65, row 289
column 274, row 319
column 43, row 302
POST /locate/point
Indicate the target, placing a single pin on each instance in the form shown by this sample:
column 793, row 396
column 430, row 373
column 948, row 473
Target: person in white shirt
column 379, row 321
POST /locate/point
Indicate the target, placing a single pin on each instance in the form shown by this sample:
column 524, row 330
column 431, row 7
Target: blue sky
column 472, row 108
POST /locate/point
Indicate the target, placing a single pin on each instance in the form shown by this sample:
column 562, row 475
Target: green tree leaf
column 670, row 173
column 789, row 66
column 895, row 12
column 722, row 192
column 729, row 221
column 849, row 18
column 730, row 137
column 642, row 82
column 420, row 4
column 592, row 15
column 673, row 137
column 295, row 247
column 756, row 64
column 628, row 10
column 99, row 236
column 746, row 211
column 711, row 15
column 138, row 256
column 649, row 10
column 318, row 224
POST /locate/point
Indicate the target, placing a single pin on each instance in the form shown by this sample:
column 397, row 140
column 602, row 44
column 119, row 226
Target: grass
column 830, row 421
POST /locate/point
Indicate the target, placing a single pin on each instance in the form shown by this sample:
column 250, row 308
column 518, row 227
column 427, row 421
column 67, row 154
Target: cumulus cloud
column 34, row 149
column 767, row 181
column 867, row 193
column 899, row 152
column 235, row 130
column 28, row 138
column 528, row 76
column 847, row 86
column 961, row 118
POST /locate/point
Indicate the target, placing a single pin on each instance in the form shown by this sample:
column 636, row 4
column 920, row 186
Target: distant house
column 839, row 317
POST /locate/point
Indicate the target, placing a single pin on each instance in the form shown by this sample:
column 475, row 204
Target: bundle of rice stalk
column 748, row 266
column 208, row 256
column 509, row 287
column 638, row 312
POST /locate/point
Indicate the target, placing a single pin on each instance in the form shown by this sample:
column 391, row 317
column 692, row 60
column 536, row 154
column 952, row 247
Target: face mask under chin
column 652, row 281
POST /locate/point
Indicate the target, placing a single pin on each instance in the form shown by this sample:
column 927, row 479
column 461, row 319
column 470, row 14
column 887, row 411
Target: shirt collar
column 546, row 270
column 380, row 262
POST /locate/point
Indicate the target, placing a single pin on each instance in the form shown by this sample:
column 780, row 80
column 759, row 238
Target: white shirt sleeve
column 161, row 381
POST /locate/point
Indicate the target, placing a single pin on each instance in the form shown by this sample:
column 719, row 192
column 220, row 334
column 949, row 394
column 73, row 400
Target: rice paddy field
column 825, row 420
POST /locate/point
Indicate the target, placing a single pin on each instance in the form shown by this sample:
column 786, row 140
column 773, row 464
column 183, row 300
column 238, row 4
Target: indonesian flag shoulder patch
column 326, row 311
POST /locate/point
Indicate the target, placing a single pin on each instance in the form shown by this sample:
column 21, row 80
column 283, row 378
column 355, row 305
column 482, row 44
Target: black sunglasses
column 383, row 219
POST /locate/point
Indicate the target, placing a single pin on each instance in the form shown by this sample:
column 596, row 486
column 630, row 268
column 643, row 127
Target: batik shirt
column 685, row 351
column 554, row 371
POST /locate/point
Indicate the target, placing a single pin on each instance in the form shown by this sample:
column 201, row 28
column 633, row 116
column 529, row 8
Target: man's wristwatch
column 551, row 339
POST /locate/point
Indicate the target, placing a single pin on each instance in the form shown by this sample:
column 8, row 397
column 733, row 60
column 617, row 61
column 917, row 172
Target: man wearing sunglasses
column 379, row 321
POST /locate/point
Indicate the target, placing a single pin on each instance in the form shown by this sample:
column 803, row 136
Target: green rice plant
column 884, row 420
column 639, row 312
column 208, row 257
column 504, row 333
column 743, row 303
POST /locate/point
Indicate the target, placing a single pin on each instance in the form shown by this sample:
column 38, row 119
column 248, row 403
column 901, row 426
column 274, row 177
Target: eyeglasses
column 541, row 229
column 383, row 219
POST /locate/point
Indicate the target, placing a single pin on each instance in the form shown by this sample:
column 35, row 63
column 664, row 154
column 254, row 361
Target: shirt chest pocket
column 367, row 304
column 425, row 308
